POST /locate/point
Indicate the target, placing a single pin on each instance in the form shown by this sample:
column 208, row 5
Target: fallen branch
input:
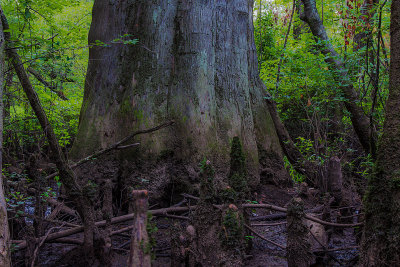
column 165, row 211
column 114, row 220
column 44, row 219
column 342, row 225
column 338, row 249
column 64, row 208
column 269, row 224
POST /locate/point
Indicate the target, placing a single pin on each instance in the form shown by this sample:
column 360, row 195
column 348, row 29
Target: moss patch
column 207, row 175
column 232, row 229
column 237, row 178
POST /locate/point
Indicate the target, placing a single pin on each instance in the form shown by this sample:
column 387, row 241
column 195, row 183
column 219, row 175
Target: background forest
column 51, row 37
column 52, row 40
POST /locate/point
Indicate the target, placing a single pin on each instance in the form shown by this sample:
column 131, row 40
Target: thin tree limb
column 52, row 88
column 359, row 119
column 284, row 48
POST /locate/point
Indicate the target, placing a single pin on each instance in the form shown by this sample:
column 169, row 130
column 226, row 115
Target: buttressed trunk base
column 195, row 62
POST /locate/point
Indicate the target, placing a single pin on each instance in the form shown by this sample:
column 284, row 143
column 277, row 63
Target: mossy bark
column 195, row 62
column 381, row 234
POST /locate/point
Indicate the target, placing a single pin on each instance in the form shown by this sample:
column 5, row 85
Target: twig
column 263, row 238
column 272, row 217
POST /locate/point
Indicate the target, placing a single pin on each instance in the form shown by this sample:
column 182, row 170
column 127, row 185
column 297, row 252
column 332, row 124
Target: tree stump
column 139, row 255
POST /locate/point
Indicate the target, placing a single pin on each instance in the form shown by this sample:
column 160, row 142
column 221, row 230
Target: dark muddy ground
column 262, row 253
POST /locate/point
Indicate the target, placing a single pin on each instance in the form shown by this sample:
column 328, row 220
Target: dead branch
column 324, row 248
column 342, row 225
column 122, row 230
column 264, row 206
column 269, row 224
column 47, row 219
column 117, row 145
column 102, row 223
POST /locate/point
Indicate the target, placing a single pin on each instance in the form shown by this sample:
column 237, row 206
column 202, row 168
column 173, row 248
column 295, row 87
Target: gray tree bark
column 195, row 63
column 5, row 259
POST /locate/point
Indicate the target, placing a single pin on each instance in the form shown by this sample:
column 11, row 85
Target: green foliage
column 264, row 36
column 309, row 96
column 296, row 177
column 51, row 38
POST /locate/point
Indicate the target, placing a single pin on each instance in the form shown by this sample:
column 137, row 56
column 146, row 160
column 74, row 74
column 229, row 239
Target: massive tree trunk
column 195, row 63
column 381, row 235
column 4, row 231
